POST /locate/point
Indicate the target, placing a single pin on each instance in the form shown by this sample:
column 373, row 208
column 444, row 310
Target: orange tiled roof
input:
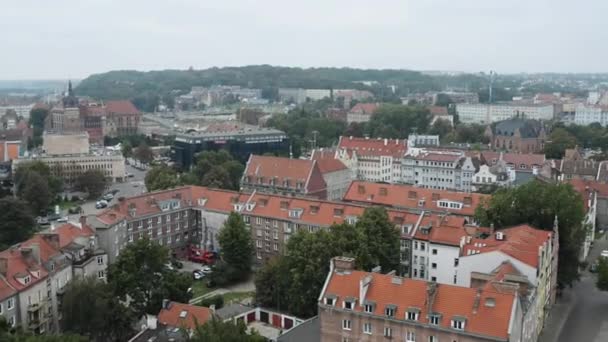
column 515, row 159
column 181, row 315
column 374, row 147
column 69, row 232
column 364, row 108
column 121, row 107
column 520, row 242
column 449, row 301
column 282, row 168
column 6, row 290
column 408, row 196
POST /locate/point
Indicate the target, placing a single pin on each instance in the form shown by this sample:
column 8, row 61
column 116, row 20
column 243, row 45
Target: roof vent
column 183, row 314
column 500, row 236
column 490, row 302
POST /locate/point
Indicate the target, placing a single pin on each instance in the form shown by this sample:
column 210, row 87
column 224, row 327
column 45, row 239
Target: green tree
column 90, row 309
column 93, row 182
column 236, row 245
column 143, row 153
column 140, row 275
column 217, row 177
column 8, row 334
column 37, row 118
column 537, row 204
column 216, row 330
column 272, row 284
column 216, row 169
column 559, row 140
column 602, row 274
column 35, row 190
column 16, row 222
column 127, row 149
column 382, row 240
column 398, row 121
column 54, row 184
column 441, row 128
column 161, row 177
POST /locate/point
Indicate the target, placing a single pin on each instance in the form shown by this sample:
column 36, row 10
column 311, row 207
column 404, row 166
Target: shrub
column 218, row 301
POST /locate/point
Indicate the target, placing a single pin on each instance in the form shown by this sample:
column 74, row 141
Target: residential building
column 494, row 175
column 525, row 165
column 593, row 195
column 458, row 97
column 486, row 114
column 414, row 199
column 317, row 94
column 362, row 306
column 517, row 135
column 238, row 139
column 34, row 273
column 125, row 117
column 418, row 140
column 361, row 112
column 285, row 176
column 336, row 175
column 70, row 166
column 63, row 144
column 588, row 114
column 438, row 169
column 294, row 95
column 377, row 160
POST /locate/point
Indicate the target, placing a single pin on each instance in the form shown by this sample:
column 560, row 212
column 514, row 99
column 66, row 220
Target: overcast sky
column 43, row 39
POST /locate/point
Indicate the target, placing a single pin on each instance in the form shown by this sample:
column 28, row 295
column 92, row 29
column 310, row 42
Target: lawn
column 232, row 297
column 199, row 288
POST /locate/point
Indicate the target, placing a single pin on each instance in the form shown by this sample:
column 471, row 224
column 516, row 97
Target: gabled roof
column 520, row 242
column 326, row 160
column 409, row 196
column 448, row 301
column 527, row 128
column 6, row 290
column 364, row 108
column 121, row 107
column 181, row 315
column 374, row 147
column 282, row 169
column 516, row 160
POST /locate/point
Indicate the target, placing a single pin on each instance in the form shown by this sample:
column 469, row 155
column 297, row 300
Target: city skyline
column 80, row 39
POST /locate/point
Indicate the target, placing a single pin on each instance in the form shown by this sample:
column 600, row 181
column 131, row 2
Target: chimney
column 343, row 264
column 491, row 228
column 83, row 221
column 431, row 292
column 363, row 287
column 166, row 304
column 477, row 300
column 52, row 239
column 212, row 308
column 3, row 266
column 385, row 142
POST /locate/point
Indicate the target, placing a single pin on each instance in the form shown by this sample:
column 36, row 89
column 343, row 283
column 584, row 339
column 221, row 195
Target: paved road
column 588, row 318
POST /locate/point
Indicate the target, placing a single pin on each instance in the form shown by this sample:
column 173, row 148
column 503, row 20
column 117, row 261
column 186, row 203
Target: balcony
column 34, row 307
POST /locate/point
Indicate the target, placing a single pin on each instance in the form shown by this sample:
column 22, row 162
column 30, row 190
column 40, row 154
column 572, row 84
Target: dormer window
column 369, row 307
column 295, row 213
column 250, row 206
column 349, row 303
column 27, row 280
column 434, row 319
column 458, row 323
column 330, row 300
column 286, row 183
column 390, row 310
column 238, row 207
column 412, row 314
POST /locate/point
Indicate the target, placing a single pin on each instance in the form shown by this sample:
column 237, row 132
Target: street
column 131, row 187
column 588, row 317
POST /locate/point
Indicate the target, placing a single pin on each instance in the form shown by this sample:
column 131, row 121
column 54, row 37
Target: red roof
column 516, row 160
column 409, row 196
column 520, row 242
column 181, row 315
column 364, row 108
column 326, row 161
column 121, row 107
column 6, row 290
column 449, row 301
column 438, row 110
column 374, row 147
column 282, row 168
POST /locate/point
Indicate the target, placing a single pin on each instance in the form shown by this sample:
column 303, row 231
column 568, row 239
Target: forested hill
column 141, row 86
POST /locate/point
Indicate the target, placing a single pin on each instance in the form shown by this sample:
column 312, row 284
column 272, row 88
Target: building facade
column 517, row 135
column 125, row 117
column 361, row 112
column 377, row 160
column 438, row 169
column 486, row 114
column 588, row 114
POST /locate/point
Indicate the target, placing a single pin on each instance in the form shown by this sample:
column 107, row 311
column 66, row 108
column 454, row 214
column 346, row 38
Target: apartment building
column 438, row 169
column 593, row 195
column 34, row 273
column 70, row 166
column 362, row 306
column 525, row 165
column 337, row 176
column 361, row 112
column 414, row 199
column 588, row 114
column 285, row 176
column 377, row 160
column 486, row 114
column 517, row 135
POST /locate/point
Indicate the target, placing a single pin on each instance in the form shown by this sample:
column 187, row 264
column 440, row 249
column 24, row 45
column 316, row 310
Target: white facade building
column 586, row 115
column 438, row 169
column 489, row 113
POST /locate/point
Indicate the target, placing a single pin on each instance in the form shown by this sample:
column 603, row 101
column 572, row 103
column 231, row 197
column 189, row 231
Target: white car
column 63, row 219
column 206, row 269
column 604, row 253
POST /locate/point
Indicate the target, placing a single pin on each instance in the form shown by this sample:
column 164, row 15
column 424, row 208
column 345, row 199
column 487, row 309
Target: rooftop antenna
column 492, row 75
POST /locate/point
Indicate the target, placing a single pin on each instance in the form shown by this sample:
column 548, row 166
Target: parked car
column 206, row 269
column 197, row 275
column 74, row 210
column 62, row 219
column 130, row 175
column 101, row 204
column 42, row 220
column 593, row 267
column 177, row 264
column 604, row 253
column 108, row 197
column 53, row 217
column 114, row 191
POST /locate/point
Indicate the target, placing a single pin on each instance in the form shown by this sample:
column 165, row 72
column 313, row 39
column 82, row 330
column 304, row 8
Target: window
column 27, row 280
column 390, row 311
column 275, row 246
column 369, row 308
column 410, row 336
column 330, row 301
column 258, row 243
column 458, row 324
column 455, row 262
column 258, row 232
column 433, row 339
column 434, row 319
column 434, row 251
column 367, row 328
column 348, row 305
column 11, row 321
column 346, row 324
column 415, row 244
column 275, row 234
column 247, row 219
column 455, row 279
column 434, row 279
column 434, row 265
column 100, row 275
column 388, row 332
column 422, row 246
column 412, row 315
column 99, row 260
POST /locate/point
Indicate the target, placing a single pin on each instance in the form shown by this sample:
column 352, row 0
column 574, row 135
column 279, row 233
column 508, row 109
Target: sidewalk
column 558, row 316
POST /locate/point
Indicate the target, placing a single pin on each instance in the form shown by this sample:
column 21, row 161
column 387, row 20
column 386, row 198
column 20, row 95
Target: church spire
column 70, row 93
